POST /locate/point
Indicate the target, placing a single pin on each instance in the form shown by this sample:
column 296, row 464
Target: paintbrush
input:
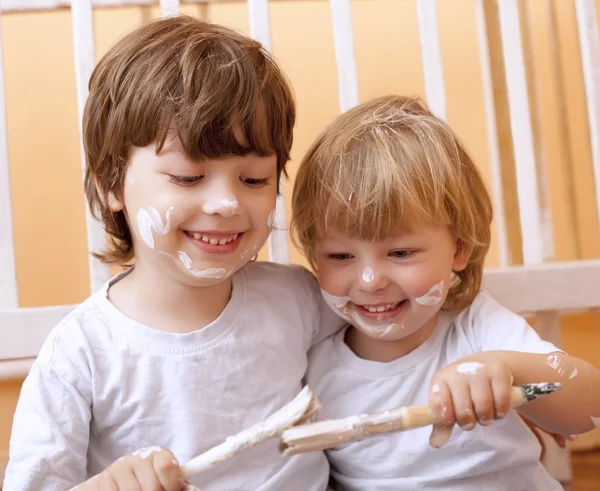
column 297, row 411
column 331, row 433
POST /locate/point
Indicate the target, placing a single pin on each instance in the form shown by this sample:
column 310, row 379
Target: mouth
column 382, row 311
column 215, row 242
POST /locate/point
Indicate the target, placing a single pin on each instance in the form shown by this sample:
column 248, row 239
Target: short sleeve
column 490, row 326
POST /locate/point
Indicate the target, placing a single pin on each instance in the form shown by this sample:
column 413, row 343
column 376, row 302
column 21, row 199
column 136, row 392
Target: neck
column 163, row 303
column 385, row 351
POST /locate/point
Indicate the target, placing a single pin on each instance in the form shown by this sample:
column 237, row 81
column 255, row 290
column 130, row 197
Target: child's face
column 203, row 220
column 389, row 289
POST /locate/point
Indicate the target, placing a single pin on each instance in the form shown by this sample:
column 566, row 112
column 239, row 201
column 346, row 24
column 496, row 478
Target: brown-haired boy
column 187, row 130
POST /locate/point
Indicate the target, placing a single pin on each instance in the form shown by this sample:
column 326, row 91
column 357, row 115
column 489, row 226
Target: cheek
column 333, row 280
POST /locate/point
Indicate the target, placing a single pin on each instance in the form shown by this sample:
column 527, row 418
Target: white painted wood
column 260, row 29
column 169, row 8
column 15, row 370
column 343, row 40
column 83, row 43
column 589, row 40
column 564, row 286
column 527, row 181
column 8, row 273
column 23, row 331
column 492, row 135
column 432, row 57
column 30, row 5
column 260, row 24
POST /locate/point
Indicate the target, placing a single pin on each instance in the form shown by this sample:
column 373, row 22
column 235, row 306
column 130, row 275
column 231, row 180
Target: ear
column 462, row 255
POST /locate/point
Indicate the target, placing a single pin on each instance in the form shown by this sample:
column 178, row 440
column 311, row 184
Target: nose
column 371, row 278
column 221, row 201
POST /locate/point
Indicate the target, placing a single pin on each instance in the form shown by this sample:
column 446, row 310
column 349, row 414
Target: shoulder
column 272, row 277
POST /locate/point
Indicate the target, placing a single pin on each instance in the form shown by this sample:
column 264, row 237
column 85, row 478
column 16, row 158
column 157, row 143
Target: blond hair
column 217, row 90
column 381, row 165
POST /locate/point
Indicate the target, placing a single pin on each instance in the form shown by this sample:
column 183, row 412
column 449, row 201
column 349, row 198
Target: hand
column 475, row 389
column 151, row 469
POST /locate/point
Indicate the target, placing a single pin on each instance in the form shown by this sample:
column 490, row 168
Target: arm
column 49, row 440
column 571, row 410
column 476, row 389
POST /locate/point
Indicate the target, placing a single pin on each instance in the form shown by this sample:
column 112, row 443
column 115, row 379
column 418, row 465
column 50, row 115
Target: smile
column 214, row 240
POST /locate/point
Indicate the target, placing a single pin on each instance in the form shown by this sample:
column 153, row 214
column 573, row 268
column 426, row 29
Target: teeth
column 381, row 308
column 212, row 240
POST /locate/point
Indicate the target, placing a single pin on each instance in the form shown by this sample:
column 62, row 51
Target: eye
column 185, row 180
column 342, row 256
column 255, row 182
column 401, row 253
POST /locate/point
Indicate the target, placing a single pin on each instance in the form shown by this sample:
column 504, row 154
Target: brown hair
column 218, row 91
column 380, row 165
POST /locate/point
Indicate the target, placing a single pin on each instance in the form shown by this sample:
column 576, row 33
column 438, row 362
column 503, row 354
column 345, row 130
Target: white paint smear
column 555, row 362
column 149, row 219
column 471, row 367
column 368, row 275
column 433, row 296
column 224, row 206
column 573, row 374
column 596, row 421
column 271, row 219
column 435, row 389
column 144, row 453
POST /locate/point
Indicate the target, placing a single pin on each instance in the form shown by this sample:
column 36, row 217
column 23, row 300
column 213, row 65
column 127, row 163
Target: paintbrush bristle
column 533, row 391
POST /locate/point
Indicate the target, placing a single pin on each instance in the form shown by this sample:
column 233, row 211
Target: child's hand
column 150, row 469
column 473, row 389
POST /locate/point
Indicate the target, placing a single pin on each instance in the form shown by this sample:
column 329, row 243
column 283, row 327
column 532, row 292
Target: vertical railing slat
column 260, row 29
column 8, row 277
column 83, row 44
column 169, row 8
column 491, row 127
column 527, row 181
column 589, row 40
column 432, row 57
column 343, row 40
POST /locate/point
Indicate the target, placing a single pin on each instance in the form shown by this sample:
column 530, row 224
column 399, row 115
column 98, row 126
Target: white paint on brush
column 149, row 219
column 368, row 276
column 573, row 374
column 471, row 367
column 433, row 296
column 144, row 453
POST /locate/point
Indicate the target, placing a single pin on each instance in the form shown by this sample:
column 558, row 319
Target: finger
column 561, row 440
column 482, row 399
column 462, row 404
column 440, row 403
column 501, row 388
column 168, row 471
column 440, row 434
column 146, row 476
column 120, row 475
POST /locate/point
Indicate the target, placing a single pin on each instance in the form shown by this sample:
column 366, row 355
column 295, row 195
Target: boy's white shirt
column 104, row 386
column 502, row 456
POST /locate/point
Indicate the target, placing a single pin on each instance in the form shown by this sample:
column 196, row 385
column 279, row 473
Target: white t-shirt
column 502, row 456
column 104, row 386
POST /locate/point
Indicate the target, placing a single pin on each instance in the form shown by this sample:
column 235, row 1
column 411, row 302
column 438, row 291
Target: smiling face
column 392, row 288
column 200, row 221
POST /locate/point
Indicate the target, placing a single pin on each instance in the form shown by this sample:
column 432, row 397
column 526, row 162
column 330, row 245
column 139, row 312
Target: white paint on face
column 368, row 276
column 185, row 260
column 433, row 296
column 271, row 219
column 555, row 362
column 596, row 421
column 573, row 374
column 471, row 367
column 345, row 308
column 149, row 219
column 226, row 207
column 144, row 453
